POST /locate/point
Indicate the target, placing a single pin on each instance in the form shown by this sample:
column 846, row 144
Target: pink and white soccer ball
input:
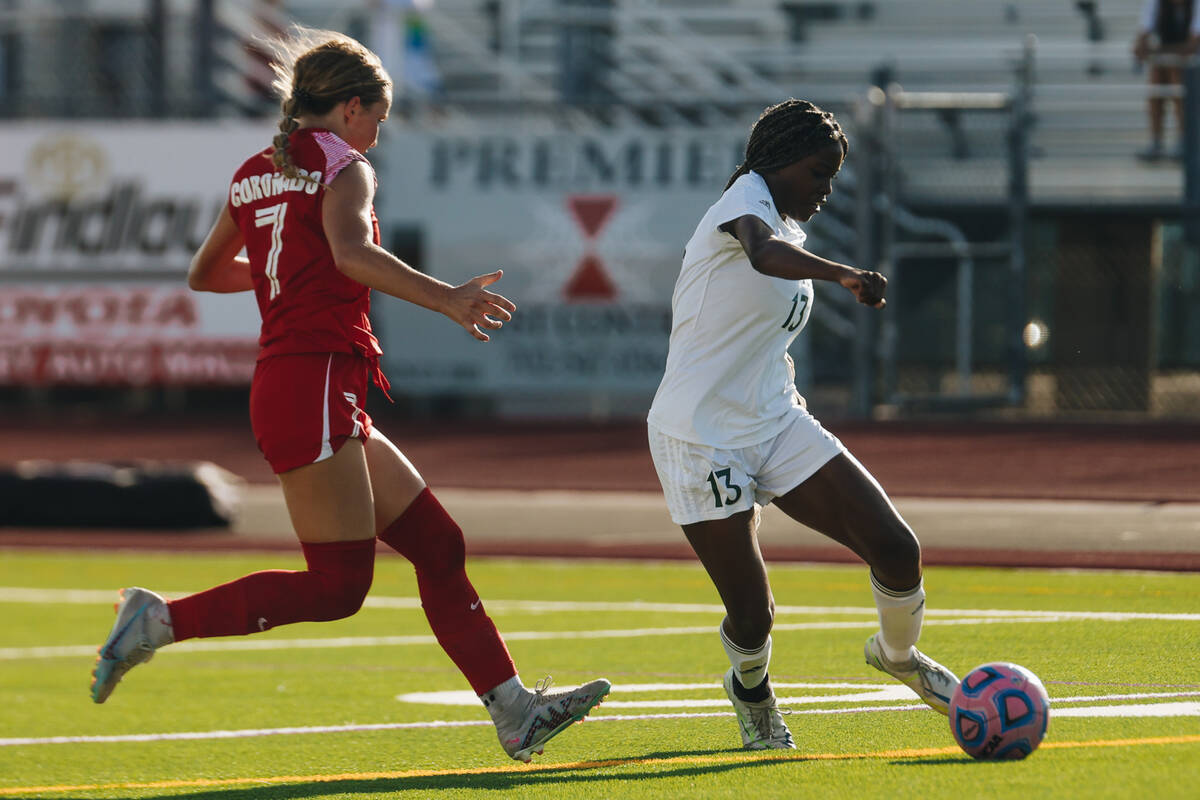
column 999, row 711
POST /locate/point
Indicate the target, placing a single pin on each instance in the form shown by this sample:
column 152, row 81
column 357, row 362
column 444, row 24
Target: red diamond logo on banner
column 592, row 211
column 590, row 280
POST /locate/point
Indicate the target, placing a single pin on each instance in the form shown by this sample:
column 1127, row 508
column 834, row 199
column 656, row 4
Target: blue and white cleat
column 761, row 724
column 546, row 715
column 932, row 682
column 143, row 625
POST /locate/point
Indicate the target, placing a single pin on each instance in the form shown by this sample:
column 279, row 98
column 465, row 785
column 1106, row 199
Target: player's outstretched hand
column 476, row 309
column 867, row 287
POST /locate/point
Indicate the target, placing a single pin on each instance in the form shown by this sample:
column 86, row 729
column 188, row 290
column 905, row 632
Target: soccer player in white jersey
column 729, row 432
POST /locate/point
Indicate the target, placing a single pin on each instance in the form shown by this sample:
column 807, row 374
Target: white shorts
column 702, row 483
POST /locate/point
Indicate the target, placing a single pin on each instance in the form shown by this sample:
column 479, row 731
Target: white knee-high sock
column 900, row 617
column 750, row 666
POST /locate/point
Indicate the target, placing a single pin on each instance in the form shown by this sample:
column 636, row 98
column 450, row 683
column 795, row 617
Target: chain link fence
column 135, row 59
column 1023, row 281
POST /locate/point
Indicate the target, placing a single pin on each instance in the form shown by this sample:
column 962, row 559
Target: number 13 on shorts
column 724, row 485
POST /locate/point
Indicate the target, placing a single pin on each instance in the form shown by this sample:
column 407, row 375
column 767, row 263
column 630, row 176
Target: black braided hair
column 786, row 133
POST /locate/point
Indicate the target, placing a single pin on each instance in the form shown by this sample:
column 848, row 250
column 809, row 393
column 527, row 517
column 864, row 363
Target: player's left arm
column 346, row 219
column 777, row 258
column 217, row 267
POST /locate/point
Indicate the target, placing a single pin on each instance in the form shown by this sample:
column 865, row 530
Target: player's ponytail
column 280, row 157
column 314, row 71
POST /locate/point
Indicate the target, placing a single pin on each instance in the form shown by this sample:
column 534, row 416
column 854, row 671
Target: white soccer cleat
column 761, row 723
column 545, row 715
column 932, row 682
column 142, row 626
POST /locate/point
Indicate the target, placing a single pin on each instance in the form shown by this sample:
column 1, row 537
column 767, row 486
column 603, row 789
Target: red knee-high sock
column 427, row 536
column 334, row 586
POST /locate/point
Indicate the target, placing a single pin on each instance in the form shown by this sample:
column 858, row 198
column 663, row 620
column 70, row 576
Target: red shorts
column 305, row 406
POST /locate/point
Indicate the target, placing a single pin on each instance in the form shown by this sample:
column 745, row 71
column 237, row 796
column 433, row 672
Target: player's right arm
column 346, row 217
column 217, row 267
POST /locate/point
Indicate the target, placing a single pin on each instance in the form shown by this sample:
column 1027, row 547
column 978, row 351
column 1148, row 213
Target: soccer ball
column 999, row 711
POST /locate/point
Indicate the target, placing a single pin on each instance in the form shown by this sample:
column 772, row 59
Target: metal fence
column 135, row 58
column 1008, row 293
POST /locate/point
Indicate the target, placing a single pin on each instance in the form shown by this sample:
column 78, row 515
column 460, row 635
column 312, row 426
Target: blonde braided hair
column 314, row 71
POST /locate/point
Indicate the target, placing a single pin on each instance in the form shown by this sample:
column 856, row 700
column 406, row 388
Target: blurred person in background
column 400, row 35
column 729, row 432
column 303, row 211
column 1168, row 33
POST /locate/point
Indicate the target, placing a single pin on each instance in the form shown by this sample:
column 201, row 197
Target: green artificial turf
column 642, row 625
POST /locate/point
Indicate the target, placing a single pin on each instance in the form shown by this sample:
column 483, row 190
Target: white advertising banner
column 589, row 228
column 98, row 223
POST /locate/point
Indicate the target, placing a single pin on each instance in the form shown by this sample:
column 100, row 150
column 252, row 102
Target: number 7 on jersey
column 273, row 216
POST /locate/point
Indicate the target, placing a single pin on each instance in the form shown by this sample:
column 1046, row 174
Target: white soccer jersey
column 729, row 381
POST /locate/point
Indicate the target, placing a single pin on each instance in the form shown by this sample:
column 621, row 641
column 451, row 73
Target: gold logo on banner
column 65, row 166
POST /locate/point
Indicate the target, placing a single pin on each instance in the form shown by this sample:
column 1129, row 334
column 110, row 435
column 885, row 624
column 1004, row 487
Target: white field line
column 13, row 594
column 626, row 688
column 238, row 644
column 1145, row 710
column 934, row 617
column 888, row 695
column 239, row 734
column 864, row 693
column 1108, row 697
column 867, row 693
column 1139, row 710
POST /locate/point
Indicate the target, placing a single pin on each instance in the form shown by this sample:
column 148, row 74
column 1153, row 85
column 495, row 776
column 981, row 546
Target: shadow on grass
column 493, row 781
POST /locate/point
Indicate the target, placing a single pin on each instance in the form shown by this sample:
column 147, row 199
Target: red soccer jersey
column 307, row 304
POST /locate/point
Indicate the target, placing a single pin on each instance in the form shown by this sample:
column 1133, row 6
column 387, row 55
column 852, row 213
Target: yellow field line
column 710, row 760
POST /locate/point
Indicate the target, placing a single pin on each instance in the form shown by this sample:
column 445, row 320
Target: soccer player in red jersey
column 302, row 209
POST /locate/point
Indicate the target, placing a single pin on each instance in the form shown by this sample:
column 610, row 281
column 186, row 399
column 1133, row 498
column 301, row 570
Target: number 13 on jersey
column 795, row 317
column 725, row 493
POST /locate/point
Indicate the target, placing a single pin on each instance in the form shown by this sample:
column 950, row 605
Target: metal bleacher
column 1087, row 99
column 707, row 62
